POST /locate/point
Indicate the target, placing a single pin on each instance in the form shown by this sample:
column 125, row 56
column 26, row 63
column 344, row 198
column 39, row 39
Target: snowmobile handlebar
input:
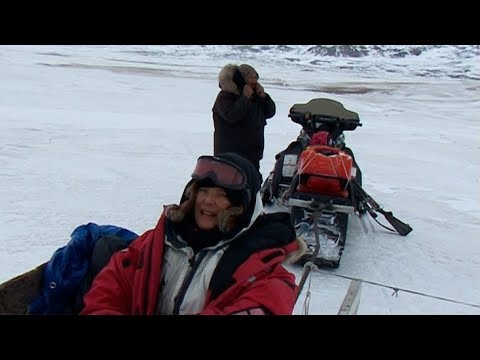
column 372, row 206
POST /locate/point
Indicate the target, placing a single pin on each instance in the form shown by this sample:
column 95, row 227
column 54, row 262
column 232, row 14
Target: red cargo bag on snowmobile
column 324, row 170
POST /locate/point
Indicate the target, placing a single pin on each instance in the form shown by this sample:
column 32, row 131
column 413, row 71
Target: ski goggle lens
column 221, row 172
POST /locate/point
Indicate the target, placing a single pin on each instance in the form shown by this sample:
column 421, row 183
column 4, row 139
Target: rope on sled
column 397, row 289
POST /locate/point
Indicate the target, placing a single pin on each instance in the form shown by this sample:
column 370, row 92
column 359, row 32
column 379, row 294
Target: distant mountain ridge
column 423, row 61
column 391, row 51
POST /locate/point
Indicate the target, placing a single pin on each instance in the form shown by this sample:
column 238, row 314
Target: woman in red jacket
column 215, row 253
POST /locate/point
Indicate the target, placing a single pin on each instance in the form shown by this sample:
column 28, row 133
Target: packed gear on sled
column 324, row 170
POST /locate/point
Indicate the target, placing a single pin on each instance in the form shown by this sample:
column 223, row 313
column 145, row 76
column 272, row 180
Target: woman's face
column 210, row 202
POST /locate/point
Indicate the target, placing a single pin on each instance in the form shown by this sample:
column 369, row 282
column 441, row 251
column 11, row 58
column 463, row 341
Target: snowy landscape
column 110, row 134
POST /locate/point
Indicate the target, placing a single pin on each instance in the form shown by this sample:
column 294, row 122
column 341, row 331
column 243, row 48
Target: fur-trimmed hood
column 225, row 79
column 246, row 220
column 246, row 203
column 233, row 77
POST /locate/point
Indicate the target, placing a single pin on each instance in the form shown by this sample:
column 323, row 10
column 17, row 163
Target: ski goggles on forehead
column 222, row 172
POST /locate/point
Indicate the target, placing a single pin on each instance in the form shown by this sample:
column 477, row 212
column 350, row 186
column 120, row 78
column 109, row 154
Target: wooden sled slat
column 17, row 293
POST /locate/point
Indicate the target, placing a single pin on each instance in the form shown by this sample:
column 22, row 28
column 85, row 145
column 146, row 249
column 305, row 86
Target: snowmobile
column 317, row 180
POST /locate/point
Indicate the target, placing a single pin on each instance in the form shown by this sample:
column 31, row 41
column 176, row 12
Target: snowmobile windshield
column 222, row 172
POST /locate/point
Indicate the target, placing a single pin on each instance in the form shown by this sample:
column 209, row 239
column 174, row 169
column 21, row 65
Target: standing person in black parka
column 240, row 113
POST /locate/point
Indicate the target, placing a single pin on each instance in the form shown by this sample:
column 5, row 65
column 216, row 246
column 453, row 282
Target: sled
column 17, row 293
column 58, row 285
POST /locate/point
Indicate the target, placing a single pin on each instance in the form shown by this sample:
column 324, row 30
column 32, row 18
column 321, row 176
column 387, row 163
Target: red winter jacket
column 130, row 283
